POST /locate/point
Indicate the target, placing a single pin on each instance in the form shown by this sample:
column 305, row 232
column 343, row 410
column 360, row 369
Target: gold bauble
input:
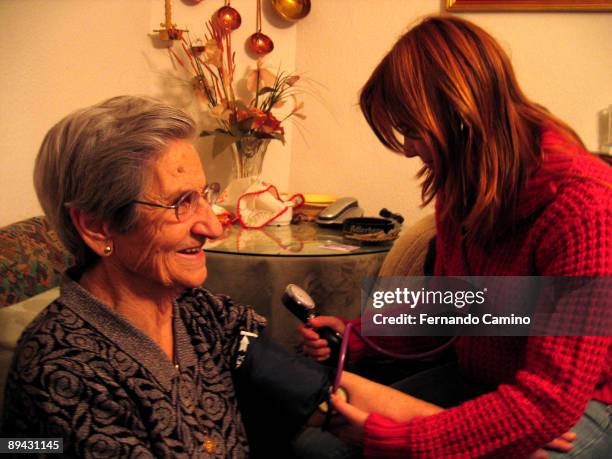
column 292, row 10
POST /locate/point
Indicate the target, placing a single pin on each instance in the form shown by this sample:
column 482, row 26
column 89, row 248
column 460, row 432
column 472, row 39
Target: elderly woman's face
column 162, row 251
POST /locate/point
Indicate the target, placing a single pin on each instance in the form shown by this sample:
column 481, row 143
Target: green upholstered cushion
column 14, row 320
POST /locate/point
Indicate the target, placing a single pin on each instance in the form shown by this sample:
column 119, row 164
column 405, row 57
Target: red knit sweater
column 543, row 383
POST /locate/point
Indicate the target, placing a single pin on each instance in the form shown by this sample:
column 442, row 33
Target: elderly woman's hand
column 312, row 344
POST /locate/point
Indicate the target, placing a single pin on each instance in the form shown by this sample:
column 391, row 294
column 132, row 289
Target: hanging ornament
column 291, row 10
column 260, row 43
column 169, row 31
column 228, row 17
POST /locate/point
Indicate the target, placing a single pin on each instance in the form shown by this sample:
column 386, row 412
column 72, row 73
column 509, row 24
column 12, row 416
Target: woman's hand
column 367, row 396
column 352, row 431
column 356, row 419
column 562, row 444
column 312, row 344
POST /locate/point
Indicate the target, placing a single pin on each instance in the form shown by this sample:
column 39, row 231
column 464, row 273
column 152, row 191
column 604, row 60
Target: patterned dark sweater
column 83, row 373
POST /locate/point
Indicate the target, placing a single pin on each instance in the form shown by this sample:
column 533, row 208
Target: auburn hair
column 449, row 84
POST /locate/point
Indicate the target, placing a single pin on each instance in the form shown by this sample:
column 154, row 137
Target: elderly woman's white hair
column 96, row 160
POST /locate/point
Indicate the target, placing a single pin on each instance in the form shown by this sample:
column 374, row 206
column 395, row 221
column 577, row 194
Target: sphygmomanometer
column 277, row 391
column 286, row 388
column 297, row 384
column 300, row 304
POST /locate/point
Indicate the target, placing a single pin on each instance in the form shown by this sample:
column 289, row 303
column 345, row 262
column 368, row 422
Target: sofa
column 32, row 260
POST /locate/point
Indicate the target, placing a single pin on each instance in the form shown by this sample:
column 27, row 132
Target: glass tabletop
column 301, row 240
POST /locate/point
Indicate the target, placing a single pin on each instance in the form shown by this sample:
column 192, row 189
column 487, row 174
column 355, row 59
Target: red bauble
column 229, row 19
column 260, row 43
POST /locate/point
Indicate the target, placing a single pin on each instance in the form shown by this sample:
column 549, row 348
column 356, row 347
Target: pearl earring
column 108, row 250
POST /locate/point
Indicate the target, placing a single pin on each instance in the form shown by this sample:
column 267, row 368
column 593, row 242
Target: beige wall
column 563, row 60
column 59, row 55
column 62, row 54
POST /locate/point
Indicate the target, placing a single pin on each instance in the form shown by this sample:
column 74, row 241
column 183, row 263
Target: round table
column 255, row 266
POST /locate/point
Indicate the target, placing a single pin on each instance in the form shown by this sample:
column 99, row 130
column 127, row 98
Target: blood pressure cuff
column 277, row 391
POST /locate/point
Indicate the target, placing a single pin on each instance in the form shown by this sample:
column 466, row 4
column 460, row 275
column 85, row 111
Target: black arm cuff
column 281, row 387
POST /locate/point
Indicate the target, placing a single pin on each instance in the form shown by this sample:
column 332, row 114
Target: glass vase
column 248, row 154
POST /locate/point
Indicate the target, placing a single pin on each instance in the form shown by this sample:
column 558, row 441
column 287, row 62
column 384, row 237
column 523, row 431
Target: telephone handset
column 340, row 210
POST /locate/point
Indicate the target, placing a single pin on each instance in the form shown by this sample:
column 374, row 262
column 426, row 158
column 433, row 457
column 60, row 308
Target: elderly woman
column 134, row 358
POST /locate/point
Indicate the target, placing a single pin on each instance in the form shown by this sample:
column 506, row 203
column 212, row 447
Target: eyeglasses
column 187, row 203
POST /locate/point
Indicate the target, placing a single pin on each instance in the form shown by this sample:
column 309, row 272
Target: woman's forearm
column 371, row 397
column 386, row 401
